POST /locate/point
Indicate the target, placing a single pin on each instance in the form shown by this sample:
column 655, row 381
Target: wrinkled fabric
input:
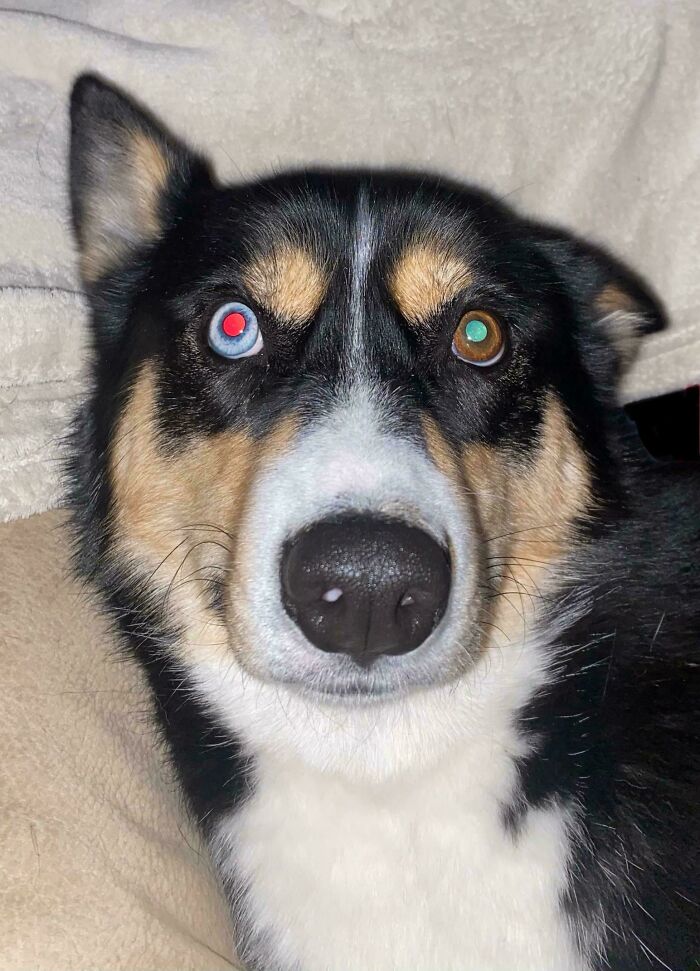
column 101, row 868
column 584, row 113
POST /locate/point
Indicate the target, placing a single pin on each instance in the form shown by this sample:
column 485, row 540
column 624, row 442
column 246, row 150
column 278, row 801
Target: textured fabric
column 586, row 113
column 100, row 866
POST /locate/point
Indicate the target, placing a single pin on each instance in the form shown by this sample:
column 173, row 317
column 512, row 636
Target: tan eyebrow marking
column 426, row 276
column 288, row 282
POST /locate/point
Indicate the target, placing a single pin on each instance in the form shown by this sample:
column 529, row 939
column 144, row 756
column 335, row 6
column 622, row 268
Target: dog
column 419, row 614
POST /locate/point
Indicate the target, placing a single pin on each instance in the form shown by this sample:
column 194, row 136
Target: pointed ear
column 127, row 174
column 620, row 309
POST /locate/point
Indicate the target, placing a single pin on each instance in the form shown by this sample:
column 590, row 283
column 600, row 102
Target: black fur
column 618, row 730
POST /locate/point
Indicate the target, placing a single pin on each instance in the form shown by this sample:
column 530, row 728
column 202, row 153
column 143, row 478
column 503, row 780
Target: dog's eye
column 479, row 339
column 234, row 332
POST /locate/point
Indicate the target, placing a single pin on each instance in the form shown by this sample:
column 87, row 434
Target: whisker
column 526, row 529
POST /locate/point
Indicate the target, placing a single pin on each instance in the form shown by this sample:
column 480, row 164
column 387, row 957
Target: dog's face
column 346, row 428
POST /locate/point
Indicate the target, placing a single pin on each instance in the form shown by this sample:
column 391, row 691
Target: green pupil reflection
column 476, row 331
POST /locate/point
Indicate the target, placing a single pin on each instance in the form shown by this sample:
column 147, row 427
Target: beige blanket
column 99, row 865
column 584, row 112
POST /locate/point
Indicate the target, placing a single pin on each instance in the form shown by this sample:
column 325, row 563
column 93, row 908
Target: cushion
column 585, row 113
column 101, row 868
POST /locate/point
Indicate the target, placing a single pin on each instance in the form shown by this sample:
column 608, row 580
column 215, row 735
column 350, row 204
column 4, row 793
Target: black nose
column 365, row 586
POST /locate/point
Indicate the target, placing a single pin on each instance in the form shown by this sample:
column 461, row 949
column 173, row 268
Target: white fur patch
column 361, row 260
column 374, row 837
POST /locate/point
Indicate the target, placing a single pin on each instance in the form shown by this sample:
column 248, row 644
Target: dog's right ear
column 127, row 174
column 618, row 307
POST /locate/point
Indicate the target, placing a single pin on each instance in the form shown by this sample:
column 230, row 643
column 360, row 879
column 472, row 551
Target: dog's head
column 346, row 427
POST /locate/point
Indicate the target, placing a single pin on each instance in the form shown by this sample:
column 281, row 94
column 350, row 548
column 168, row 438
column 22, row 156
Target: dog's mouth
column 338, row 679
column 337, row 690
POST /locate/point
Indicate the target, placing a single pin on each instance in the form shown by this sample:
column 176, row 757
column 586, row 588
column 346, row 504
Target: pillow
column 585, row 113
column 101, row 867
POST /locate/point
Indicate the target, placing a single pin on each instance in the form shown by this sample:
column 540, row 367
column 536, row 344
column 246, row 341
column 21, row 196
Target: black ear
column 126, row 175
column 617, row 306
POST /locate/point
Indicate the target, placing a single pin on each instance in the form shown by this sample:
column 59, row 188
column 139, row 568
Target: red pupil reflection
column 233, row 324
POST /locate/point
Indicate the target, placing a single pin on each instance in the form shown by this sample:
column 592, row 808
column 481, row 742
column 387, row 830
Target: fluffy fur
column 520, row 790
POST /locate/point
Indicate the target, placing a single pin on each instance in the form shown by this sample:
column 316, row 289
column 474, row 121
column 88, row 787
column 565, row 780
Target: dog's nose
column 365, row 586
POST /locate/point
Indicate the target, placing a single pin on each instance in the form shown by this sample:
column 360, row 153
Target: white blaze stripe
column 361, row 258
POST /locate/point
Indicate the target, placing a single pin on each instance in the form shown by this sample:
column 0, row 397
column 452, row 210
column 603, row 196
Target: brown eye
column 478, row 339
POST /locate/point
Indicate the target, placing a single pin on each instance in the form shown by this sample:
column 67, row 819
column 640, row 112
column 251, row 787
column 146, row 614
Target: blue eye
column 234, row 332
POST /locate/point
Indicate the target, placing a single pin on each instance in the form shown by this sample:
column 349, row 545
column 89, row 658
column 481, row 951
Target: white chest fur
column 351, row 864
column 417, row 875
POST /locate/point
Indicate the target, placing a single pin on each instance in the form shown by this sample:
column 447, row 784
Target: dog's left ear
column 618, row 308
column 127, row 174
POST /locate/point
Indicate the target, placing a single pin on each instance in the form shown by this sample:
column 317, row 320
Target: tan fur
column 621, row 316
column 613, row 298
column 525, row 507
column 123, row 207
column 288, row 282
column 440, row 451
column 152, row 169
column 529, row 506
column 426, row 276
column 167, row 505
